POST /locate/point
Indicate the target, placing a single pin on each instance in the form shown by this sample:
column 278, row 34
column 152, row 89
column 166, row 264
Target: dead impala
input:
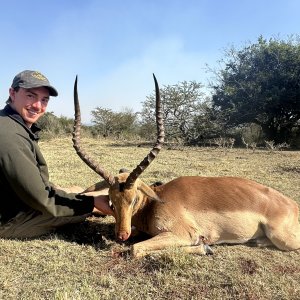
column 194, row 212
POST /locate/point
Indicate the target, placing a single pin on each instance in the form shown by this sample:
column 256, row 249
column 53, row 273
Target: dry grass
column 77, row 263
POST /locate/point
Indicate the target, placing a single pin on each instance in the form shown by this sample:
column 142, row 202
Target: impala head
column 125, row 188
column 127, row 201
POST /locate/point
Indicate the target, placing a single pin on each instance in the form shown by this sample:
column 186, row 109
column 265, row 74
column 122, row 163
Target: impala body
column 194, row 212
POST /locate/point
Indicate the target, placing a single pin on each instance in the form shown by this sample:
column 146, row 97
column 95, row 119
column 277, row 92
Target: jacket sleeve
column 31, row 184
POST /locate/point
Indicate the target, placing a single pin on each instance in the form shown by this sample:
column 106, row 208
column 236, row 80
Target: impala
column 193, row 212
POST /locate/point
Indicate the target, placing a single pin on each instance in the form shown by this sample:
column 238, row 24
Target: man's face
column 31, row 103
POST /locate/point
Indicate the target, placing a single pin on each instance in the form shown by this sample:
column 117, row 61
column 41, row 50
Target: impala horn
column 76, row 143
column 159, row 142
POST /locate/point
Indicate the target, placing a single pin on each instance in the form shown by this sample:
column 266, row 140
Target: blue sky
column 115, row 46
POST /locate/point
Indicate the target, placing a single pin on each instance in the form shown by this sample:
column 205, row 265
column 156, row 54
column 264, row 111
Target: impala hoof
column 208, row 250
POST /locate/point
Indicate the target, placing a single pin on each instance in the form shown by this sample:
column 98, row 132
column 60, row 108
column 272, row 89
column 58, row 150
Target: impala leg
column 287, row 236
column 285, row 240
column 163, row 241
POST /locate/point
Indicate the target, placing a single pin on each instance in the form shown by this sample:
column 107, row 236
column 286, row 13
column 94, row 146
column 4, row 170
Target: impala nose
column 123, row 235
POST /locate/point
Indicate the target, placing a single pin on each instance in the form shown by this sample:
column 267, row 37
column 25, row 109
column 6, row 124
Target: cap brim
column 52, row 91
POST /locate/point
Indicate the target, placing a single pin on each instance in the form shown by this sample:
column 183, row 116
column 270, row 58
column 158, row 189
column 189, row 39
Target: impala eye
column 111, row 205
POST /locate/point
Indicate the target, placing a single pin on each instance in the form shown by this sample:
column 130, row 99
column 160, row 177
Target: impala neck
column 140, row 214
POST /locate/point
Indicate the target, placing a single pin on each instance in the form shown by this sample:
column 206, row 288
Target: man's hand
column 101, row 204
column 101, row 201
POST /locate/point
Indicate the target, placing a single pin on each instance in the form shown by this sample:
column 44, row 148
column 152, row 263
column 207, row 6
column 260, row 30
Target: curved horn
column 159, row 142
column 76, row 142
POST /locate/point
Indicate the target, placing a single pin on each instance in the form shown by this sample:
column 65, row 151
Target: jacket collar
column 33, row 130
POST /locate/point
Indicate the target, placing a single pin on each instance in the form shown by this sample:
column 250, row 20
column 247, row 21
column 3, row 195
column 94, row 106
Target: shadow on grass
column 95, row 233
column 98, row 235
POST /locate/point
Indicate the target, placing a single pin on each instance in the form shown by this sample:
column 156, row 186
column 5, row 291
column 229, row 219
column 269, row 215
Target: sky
column 115, row 46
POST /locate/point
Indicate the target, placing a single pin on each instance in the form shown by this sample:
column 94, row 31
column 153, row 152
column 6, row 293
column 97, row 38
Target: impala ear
column 97, row 187
column 148, row 191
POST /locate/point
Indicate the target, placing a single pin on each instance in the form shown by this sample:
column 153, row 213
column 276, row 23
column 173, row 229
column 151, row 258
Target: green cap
column 33, row 79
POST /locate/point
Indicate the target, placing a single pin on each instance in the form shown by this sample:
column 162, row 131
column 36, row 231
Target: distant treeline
column 254, row 97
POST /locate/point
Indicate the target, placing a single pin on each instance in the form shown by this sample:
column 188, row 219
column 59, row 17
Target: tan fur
column 193, row 212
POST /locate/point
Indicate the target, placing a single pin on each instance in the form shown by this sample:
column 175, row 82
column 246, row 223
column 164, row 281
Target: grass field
column 77, row 263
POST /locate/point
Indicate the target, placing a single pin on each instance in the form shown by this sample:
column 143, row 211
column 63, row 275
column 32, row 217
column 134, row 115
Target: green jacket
column 24, row 178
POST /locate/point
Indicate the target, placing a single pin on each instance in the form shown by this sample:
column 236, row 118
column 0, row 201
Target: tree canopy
column 261, row 84
column 181, row 103
column 108, row 122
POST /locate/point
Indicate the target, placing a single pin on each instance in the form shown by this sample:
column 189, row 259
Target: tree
column 208, row 124
column 261, row 84
column 53, row 126
column 180, row 103
column 109, row 122
column 103, row 118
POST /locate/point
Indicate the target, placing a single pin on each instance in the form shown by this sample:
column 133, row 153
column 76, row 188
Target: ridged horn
column 159, row 142
column 76, row 143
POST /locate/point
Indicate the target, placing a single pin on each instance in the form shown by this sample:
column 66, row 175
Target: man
column 29, row 205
